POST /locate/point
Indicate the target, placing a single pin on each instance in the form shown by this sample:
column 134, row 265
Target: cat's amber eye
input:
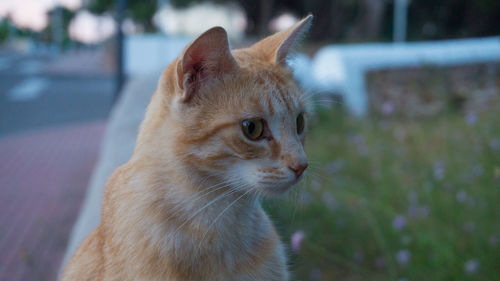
column 300, row 123
column 253, row 128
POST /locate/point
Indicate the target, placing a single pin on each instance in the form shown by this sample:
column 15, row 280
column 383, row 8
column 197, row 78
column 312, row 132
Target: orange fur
column 186, row 205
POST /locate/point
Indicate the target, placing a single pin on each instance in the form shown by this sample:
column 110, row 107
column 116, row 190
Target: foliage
column 4, row 30
column 141, row 11
column 350, row 20
column 434, row 19
column 389, row 199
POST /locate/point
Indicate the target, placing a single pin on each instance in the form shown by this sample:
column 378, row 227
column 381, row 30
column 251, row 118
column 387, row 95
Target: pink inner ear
column 207, row 57
column 192, row 80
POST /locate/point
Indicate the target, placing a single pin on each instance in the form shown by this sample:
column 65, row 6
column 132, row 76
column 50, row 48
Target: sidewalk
column 43, row 178
column 116, row 148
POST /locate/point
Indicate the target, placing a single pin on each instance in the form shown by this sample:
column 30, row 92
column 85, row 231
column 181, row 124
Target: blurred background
column 404, row 181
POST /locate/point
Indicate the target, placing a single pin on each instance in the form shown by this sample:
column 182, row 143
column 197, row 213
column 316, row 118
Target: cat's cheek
column 245, row 172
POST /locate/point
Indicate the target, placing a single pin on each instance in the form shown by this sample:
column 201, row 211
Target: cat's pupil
column 300, row 124
column 251, row 128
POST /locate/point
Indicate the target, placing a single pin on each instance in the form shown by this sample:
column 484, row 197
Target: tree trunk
column 266, row 8
column 369, row 20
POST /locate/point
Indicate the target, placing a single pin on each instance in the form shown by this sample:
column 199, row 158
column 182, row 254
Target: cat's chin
column 277, row 190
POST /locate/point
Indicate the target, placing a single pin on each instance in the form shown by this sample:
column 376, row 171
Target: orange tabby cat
column 222, row 129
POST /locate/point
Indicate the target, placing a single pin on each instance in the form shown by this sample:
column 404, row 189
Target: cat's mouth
column 280, row 188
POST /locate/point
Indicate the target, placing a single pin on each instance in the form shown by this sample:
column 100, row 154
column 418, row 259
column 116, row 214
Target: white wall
column 150, row 53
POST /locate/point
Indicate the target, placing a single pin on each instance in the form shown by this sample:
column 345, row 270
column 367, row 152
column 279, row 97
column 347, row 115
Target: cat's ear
column 207, row 57
column 276, row 47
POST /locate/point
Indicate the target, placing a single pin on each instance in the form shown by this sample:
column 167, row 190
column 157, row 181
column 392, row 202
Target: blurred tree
column 4, row 30
column 350, row 20
column 258, row 12
column 47, row 33
column 368, row 20
column 437, row 19
column 141, row 11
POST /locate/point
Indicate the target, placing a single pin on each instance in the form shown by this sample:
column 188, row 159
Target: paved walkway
column 43, row 180
column 117, row 146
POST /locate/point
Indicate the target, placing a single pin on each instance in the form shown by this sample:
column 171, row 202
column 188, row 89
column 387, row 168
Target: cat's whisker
column 295, row 194
column 195, row 197
column 223, row 211
column 319, row 175
column 230, row 191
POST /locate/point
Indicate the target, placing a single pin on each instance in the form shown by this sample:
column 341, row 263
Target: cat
column 223, row 129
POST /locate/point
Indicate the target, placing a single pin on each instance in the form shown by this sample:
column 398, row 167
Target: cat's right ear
column 207, row 57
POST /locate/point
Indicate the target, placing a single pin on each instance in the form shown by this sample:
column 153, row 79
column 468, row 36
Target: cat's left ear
column 276, row 47
column 207, row 57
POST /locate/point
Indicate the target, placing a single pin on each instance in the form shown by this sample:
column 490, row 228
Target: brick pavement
column 43, row 179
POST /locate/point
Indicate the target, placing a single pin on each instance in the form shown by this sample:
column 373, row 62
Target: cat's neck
column 180, row 220
column 197, row 201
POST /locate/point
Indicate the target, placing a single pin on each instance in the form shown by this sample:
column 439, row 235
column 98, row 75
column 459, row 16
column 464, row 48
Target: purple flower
column 328, row 199
column 387, row 108
column 471, row 266
column 360, row 142
column 296, row 240
column 399, row 222
column 495, row 144
column 461, row 196
column 438, row 170
column 471, row 118
column 403, row 256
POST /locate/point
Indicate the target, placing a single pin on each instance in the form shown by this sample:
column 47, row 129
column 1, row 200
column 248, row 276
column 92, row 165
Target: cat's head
column 239, row 116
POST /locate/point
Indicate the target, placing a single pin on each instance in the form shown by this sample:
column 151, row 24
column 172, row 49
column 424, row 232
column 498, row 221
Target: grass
column 388, row 199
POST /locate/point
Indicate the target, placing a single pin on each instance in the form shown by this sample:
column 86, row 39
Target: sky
column 32, row 14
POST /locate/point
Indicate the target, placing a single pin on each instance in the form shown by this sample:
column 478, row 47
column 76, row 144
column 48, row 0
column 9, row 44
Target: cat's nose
column 299, row 168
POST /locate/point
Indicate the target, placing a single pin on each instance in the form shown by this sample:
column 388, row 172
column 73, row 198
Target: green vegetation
column 4, row 30
column 141, row 11
column 387, row 199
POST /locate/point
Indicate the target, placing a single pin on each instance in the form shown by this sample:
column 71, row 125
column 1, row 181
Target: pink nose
column 299, row 169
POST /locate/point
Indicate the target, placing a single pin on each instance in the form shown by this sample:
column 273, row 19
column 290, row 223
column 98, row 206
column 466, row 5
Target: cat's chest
column 229, row 250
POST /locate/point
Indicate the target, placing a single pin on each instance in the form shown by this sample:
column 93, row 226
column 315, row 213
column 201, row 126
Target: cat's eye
column 253, row 128
column 300, row 123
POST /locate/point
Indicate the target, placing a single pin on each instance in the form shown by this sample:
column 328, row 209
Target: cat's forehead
column 271, row 94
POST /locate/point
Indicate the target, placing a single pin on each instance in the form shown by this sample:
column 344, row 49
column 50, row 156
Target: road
column 32, row 97
column 53, row 113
